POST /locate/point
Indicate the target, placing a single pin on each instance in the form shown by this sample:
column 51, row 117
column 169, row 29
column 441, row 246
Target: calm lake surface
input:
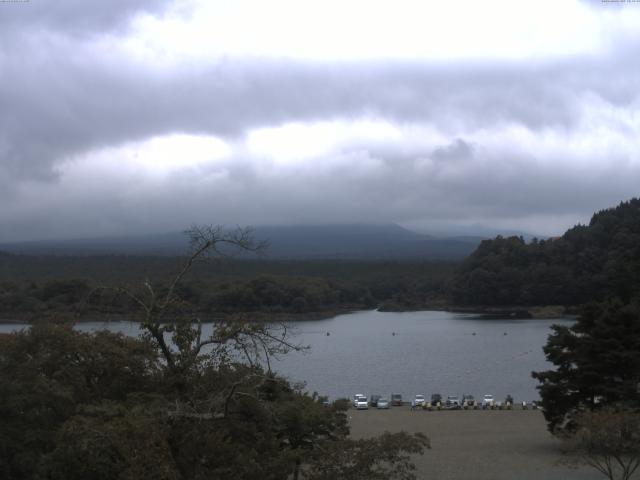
column 431, row 352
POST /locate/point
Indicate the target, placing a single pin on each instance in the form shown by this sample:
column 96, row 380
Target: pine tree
column 597, row 363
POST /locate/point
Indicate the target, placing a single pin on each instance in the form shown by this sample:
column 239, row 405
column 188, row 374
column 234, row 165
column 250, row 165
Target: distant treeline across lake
column 33, row 288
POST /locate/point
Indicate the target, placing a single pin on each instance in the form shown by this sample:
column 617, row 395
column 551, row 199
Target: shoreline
column 121, row 317
column 501, row 312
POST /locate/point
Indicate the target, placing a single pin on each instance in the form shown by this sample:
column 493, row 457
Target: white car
column 360, row 402
column 488, row 401
column 453, row 402
column 418, row 401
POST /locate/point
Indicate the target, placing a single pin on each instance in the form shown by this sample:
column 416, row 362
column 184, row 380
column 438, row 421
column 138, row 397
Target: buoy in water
column 328, row 334
column 504, row 333
column 474, row 334
column 393, row 333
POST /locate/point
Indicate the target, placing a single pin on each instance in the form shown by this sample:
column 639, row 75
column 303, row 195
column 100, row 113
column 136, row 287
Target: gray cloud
column 73, row 17
column 61, row 105
column 506, row 187
column 66, row 92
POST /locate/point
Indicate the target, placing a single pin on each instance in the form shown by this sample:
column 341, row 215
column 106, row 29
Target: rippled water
column 430, row 352
column 410, row 352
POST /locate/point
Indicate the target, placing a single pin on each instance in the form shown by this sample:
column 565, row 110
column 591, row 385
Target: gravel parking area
column 477, row 444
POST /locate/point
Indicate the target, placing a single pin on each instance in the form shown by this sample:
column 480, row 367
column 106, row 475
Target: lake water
column 425, row 352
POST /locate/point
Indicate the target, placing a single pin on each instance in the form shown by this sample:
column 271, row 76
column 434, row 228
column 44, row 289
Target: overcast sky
column 132, row 116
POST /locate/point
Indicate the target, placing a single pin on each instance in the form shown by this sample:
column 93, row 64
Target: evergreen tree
column 597, row 363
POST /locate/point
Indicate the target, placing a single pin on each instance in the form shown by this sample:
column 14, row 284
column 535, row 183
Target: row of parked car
column 452, row 402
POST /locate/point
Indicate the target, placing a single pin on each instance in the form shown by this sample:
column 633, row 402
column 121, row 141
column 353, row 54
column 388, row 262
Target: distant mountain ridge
column 350, row 241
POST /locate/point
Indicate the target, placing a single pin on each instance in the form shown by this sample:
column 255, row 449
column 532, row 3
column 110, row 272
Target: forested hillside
column 589, row 262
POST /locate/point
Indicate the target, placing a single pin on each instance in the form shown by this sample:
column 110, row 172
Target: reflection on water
column 410, row 352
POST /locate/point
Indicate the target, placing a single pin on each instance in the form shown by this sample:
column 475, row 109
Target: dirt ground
column 477, row 444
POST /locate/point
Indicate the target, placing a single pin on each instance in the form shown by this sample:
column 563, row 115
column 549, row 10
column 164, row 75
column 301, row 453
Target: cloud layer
column 100, row 134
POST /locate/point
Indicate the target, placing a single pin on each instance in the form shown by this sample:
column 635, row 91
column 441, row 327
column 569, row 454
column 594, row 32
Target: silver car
column 453, row 402
column 383, row 403
column 361, row 402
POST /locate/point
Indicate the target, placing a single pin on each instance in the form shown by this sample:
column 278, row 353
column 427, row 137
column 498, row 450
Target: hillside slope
column 587, row 263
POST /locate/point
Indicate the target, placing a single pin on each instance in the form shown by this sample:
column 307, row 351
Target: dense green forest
column 33, row 287
column 172, row 403
column 589, row 262
column 102, row 406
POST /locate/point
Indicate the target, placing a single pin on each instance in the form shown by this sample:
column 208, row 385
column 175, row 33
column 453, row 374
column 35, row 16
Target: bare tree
column 171, row 324
column 609, row 441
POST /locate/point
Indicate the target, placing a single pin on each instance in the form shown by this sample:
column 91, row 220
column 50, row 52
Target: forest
column 589, row 262
column 173, row 404
column 35, row 287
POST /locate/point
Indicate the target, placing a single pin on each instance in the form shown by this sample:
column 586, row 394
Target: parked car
column 453, row 402
column 361, row 402
column 508, row 402
column 383, row 403
column 435, row 399
column 396, row 399
column 356, row 397
column 488, row 401
column 418, row 401
column 468, row 401
column 374, row 400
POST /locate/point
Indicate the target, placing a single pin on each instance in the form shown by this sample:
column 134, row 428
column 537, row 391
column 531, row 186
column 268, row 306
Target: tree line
column 270, row 288
column 589, row 262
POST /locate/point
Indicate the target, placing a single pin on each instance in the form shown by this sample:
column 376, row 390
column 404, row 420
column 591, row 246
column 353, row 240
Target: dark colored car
column 468, row 401
column 435, row 398
column 374, row 400
column 396, row 399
